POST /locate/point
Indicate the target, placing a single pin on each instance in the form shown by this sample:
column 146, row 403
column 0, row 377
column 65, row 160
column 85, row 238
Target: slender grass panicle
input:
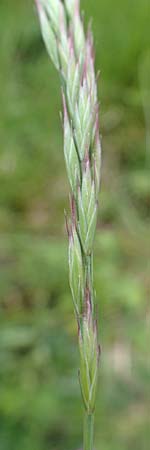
column 73, row 56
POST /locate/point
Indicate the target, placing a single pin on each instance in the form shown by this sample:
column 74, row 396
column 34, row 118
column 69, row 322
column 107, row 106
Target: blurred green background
column 40, row 405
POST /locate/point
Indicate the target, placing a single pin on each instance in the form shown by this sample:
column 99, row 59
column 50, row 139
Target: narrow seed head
column 73, row 55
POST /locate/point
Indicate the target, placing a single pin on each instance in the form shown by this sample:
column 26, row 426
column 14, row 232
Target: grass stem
column 88, row 431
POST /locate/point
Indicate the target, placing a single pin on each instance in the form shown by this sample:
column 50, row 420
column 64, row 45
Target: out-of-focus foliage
column 39, row 394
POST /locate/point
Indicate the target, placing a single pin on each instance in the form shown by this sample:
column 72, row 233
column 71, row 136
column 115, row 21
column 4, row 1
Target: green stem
column 88, row 431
